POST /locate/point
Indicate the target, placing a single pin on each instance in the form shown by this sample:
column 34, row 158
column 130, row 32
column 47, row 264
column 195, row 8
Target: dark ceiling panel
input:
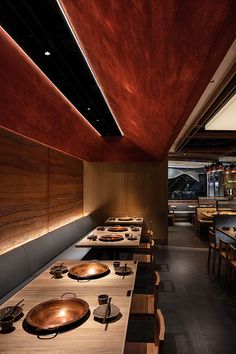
column 39, row 26
column 30, row 105
column 153, row 59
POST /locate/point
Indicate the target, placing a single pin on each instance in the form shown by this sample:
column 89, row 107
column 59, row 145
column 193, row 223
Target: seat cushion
column 144, row 245
column 233, row 264
column 142, row 258
column 142, row 304
column 140, row 348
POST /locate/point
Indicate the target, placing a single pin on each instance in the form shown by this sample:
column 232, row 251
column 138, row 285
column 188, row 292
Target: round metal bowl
column 56, row 313
column 135, row 229
column 117, row 229
column 125, row 219
column 111, row 238
column 89, row 270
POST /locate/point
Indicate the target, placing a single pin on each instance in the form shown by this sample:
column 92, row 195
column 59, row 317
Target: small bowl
column 58, row 273
column 6, row 323
column 102, row 299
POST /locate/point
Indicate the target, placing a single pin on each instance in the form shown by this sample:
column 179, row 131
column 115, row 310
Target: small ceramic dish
column 123, row 271
column 100, row 311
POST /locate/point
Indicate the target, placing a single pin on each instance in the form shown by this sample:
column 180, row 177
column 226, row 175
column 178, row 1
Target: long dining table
column 91, row 336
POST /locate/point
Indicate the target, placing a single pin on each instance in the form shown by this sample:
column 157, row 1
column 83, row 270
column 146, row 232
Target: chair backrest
column 232, row 253
column 156, row 283
column 224, row 246
column 211, row 236
column 159, row 331
column 148, row 234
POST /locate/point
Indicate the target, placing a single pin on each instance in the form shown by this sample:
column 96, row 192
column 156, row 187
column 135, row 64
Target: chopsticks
column 124, row 270
column 107, row 312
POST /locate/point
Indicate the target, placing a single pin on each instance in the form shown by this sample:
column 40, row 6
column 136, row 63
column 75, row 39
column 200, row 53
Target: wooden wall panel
column 40, row 190
column 65, row 189
column 138, row 189
column 23, row 191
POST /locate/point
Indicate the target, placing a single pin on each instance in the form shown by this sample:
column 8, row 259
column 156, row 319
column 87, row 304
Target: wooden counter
column 91, row 336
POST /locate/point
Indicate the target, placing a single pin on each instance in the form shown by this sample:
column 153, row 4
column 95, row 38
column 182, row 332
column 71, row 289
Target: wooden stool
column 146, row 304
column 150, row 348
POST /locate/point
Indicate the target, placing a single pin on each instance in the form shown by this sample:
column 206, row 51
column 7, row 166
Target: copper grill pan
column 89, row 270
column 125, row 219
column 56, row 313
column 117, row 229
column 111, row 238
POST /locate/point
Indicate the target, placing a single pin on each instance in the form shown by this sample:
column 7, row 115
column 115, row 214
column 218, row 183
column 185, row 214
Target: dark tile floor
column 200, row 315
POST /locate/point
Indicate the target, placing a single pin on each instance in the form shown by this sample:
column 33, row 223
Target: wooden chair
column 144, row 255
column 150, row 348
column 223, row 254
column 145, row 235
column 232, row 262
column 147, row 244
column 212, row 247
column 146, row 304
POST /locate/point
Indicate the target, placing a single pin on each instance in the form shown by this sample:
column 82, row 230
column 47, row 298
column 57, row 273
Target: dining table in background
column 113, row 246
column 124, row 220
column 91, row 336
column 230, row 233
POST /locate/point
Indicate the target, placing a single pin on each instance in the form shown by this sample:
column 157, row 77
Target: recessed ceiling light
column 97, row 120
column 88, row 109
column 47, row 53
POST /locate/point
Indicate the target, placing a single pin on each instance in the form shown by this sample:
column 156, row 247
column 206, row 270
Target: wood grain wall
column 136, row 189
column 40, row 190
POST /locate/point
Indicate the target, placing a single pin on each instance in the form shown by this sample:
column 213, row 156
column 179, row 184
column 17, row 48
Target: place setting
column 57, row 271
column 131, row 237
column 9, row 315
column 106, row 312
column 122, row 270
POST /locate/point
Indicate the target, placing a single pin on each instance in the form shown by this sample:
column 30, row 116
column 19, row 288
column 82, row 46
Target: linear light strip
column 86, row 59
column 38, row 68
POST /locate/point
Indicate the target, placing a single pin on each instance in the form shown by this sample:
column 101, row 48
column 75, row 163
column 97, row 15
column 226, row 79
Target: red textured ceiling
column 153, row 59
column 32, row 106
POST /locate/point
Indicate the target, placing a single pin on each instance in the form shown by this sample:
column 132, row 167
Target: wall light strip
column 87, row 61
column 36, row 67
